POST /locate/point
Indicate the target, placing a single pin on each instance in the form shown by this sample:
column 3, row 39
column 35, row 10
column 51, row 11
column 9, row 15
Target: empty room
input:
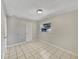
column 39, row 29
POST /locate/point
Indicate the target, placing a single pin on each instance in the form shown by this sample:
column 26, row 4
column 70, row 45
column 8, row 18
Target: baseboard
column 15, row 44
column 19, row 43
column 60, row 48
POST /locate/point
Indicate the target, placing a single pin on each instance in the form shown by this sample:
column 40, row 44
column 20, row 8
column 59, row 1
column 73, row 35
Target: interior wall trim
column 19, row 43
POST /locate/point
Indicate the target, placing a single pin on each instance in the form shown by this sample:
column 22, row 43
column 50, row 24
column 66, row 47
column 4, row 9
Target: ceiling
column 27, row 8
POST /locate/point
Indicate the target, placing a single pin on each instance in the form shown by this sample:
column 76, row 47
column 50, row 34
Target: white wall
column 3, row 32
column 17, row 29
column 64, row 31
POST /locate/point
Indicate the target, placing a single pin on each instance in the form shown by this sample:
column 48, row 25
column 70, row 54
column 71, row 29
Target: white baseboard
column 60, row 48
column 19, row 43
column 15, row 44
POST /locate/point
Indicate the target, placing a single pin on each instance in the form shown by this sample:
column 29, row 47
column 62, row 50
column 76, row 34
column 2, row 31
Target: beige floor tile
column 53, row 57
column 14, row 53
column 74, row 57
column 65, row 56
column 37, row 56
column 58, row 53
column 13, row 57
column 36, row 50
column 7, row 52
column 30, row 57
column 22, row 57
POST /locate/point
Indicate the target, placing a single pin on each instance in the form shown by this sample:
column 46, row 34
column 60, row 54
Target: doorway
column 28, row 32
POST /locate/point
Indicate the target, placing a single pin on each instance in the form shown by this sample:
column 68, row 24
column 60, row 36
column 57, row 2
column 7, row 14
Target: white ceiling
column 27, row 8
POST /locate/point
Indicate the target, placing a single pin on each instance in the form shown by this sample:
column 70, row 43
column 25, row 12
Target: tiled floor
column 36, row 50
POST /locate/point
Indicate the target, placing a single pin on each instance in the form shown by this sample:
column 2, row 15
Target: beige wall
column 64, row 31
column 17, row 29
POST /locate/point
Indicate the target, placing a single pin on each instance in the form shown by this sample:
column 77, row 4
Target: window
column 46, row 27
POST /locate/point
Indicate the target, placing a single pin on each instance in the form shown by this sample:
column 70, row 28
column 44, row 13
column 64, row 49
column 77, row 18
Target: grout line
column 22, row 51
column 9, row 53
column 40, row 47
column 35, row 50
column 48, row 50
column 31, row 53
column 55, row 51
column 16, row 51
column 69, row 52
